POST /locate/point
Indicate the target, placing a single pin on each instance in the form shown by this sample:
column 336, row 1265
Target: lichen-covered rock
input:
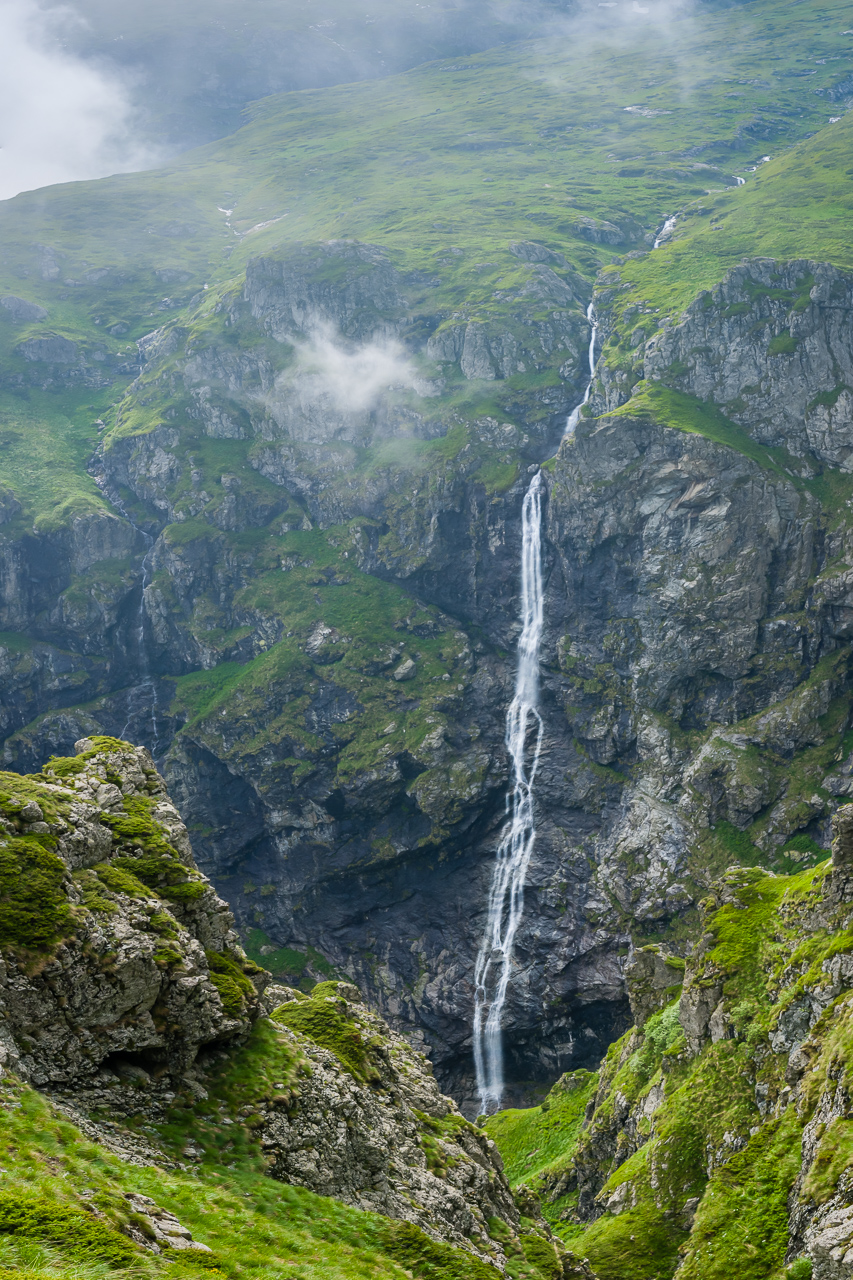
column 366, row 1123
column 370, row 1126
column 116, row 954
column 156, row 1229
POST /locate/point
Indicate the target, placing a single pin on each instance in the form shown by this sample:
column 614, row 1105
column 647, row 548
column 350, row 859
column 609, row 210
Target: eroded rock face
column 393, row 1144
column 772, row 344
column 366, row 1123
column 116, row 954
column 654, row 977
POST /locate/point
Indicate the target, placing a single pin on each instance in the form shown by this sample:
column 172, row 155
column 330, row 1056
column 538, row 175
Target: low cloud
column 61, row 119
column 352, row 378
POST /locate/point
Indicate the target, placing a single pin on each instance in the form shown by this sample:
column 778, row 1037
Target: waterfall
column 575, row 415
column 506, row 895
column 524, row 730
column 665, row 232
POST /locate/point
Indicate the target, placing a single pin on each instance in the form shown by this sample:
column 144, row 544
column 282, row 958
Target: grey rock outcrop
column 394, row 1145
column 160, row 1229
column 22, row 312
column 771, row 346
column 51, row 349
column 654, row 978
column 116, row 955
column 348, row 285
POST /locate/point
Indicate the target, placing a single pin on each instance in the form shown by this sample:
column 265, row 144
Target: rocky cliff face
column 329, row 608
column 715, row 1138
column 116, row 955
column 365, row 1122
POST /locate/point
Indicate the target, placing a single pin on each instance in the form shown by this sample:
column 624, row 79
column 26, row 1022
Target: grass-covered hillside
column 66, row 1206
column 443, row 166
column 797, row 206
column 195, row 66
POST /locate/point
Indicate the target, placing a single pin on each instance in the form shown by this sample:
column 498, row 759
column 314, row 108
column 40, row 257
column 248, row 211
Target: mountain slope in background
column 192, row 68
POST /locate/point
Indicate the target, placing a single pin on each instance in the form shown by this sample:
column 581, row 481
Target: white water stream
column 506, row 895
column 524, row 730
column 665, row 232
column 575, row 415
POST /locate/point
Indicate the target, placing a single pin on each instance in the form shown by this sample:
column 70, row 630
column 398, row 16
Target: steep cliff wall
column 715, row 1136
column 340, row 753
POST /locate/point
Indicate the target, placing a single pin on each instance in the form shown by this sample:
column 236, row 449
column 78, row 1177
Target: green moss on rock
column 80, row 1236
column 34, row 909
column 323, row 1017
column 226, row 974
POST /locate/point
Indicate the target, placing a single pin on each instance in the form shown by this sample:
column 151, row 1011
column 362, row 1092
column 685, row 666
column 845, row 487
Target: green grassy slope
column 72, row 1192
column 534, row 1139
column 799, row 205
column 521, row 142
column 521, row 116
column 64, row 1210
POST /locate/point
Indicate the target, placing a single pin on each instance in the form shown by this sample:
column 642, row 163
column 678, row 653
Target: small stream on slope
column 524, row 731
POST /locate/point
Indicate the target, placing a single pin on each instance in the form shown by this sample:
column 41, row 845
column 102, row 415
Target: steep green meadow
column 195, row 65
column 63, row 1205
column 443, row 166
column 799, row 205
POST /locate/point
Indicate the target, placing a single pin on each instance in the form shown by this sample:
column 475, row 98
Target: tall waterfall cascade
column 524, row 732
column 506, row 895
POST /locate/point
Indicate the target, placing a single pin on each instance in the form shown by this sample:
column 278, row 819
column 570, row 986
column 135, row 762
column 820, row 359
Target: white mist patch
column 349, row 377
column 61, row 119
